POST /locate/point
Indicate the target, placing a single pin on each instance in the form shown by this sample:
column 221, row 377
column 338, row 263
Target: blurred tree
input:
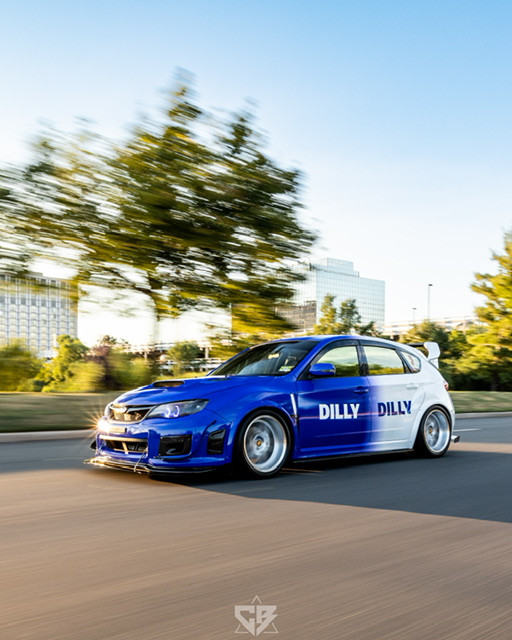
column 15, row 249
column 83, row 377
column 183, row 354
column 119, row 369
column 18, row 366
column 225, row 344
column 345, row 321
column 56, row 372
column 63, row 204
column 250, row 324
column 206, row 224
column 428, row 331
column 104, row 367
column 453, row 345
column 467, row 360
column 190, row 212
column 111, row 341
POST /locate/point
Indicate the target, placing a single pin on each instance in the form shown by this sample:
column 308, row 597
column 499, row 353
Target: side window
column 383, row 361
column 413, row 362
column 344, row 359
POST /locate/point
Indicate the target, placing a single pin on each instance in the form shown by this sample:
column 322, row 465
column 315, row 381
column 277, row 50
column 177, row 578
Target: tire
column 434, row 433
column 263, row 444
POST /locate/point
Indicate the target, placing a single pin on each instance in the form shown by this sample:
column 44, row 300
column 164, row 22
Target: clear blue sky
column 399, row 113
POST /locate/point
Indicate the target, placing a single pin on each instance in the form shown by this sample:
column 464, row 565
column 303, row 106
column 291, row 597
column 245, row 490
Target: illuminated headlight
column 177, row 409
column 102, row 424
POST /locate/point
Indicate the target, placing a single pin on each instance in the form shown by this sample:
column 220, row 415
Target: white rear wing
column 433, row 351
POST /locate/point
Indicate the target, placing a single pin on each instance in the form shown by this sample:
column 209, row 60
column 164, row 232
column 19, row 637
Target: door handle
column 411, row 386
column 361, row 390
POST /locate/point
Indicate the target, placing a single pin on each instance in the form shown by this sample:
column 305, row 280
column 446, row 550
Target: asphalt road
column 390, row 547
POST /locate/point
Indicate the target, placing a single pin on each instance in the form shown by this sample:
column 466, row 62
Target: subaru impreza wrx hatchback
column 283, row 401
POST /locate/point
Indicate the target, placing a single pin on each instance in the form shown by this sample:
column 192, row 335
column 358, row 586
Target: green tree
column 18, row 366
column 490, row 356
column 183, row 354
column 328, row 323
column 54, row 374
column 349, row 317
column 346, row 320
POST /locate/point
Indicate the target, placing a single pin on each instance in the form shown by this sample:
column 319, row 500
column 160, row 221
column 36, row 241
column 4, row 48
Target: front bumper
column 144, row 467
column 182, row 445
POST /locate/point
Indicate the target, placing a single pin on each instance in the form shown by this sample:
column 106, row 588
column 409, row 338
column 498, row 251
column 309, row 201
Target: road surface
column 384, row 548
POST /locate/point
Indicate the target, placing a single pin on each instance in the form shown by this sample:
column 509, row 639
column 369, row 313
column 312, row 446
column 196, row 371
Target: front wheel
column 434, row 434
column 263, row 444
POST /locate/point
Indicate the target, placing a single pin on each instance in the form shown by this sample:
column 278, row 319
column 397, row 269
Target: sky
column 398, row 114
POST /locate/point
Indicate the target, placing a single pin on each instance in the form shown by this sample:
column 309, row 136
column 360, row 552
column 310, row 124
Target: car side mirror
column 322, row 370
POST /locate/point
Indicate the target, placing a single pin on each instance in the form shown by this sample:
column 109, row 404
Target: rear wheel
column 434, row 434
column 263, row 444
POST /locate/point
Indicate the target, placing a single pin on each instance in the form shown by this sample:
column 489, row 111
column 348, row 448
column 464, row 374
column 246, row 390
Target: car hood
column 188, row 389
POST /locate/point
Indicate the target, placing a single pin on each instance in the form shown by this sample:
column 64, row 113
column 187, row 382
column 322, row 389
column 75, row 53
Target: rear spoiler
column 433, row 351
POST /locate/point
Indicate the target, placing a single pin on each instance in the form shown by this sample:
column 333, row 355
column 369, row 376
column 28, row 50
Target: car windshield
column 274, row 359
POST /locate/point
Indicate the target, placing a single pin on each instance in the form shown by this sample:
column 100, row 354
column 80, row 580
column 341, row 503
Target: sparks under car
column 283, row 401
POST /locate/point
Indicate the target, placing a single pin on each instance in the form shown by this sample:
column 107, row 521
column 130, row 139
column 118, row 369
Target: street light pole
column 428, row 301
column 414, row 316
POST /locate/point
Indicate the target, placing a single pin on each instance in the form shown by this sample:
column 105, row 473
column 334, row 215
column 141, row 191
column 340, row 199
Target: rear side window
column 344, row 359
column 412, row 360
column 383, row 361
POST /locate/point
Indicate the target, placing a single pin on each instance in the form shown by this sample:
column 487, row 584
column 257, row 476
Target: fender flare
column 272, row 408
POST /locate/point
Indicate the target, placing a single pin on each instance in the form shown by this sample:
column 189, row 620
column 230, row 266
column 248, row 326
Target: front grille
column 127, row 413
column 175, row 445
column 125, row 445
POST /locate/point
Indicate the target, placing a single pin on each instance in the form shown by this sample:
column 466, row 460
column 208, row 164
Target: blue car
column 283, row 401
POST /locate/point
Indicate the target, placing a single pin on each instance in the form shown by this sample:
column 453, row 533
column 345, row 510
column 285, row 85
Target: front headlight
column 177, row 409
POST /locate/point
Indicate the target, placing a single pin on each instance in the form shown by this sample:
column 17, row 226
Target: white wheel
column 434, row 433
column 263, row 444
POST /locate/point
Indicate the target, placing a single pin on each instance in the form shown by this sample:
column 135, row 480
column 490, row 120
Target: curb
column 35, row 436
column 485, row 414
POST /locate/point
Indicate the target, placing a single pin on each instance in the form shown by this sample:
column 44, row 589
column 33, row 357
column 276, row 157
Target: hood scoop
column 168, row 383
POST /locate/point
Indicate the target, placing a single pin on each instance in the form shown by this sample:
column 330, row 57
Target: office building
column 36, row 310
column 337, row 278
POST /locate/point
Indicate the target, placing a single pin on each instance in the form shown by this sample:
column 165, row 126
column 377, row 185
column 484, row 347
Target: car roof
column 332, row 338
column 329, row 338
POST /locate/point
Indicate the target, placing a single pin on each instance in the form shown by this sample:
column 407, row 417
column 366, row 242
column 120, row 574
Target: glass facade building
column 36, row 310
column 338, row 278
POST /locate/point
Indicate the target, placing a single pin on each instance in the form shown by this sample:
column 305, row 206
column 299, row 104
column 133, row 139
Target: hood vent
column 168, row 383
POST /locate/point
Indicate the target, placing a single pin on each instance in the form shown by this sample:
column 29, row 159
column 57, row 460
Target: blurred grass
column 51, row 411
column 54, row 411
column 478, row 401
column 21, row 411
